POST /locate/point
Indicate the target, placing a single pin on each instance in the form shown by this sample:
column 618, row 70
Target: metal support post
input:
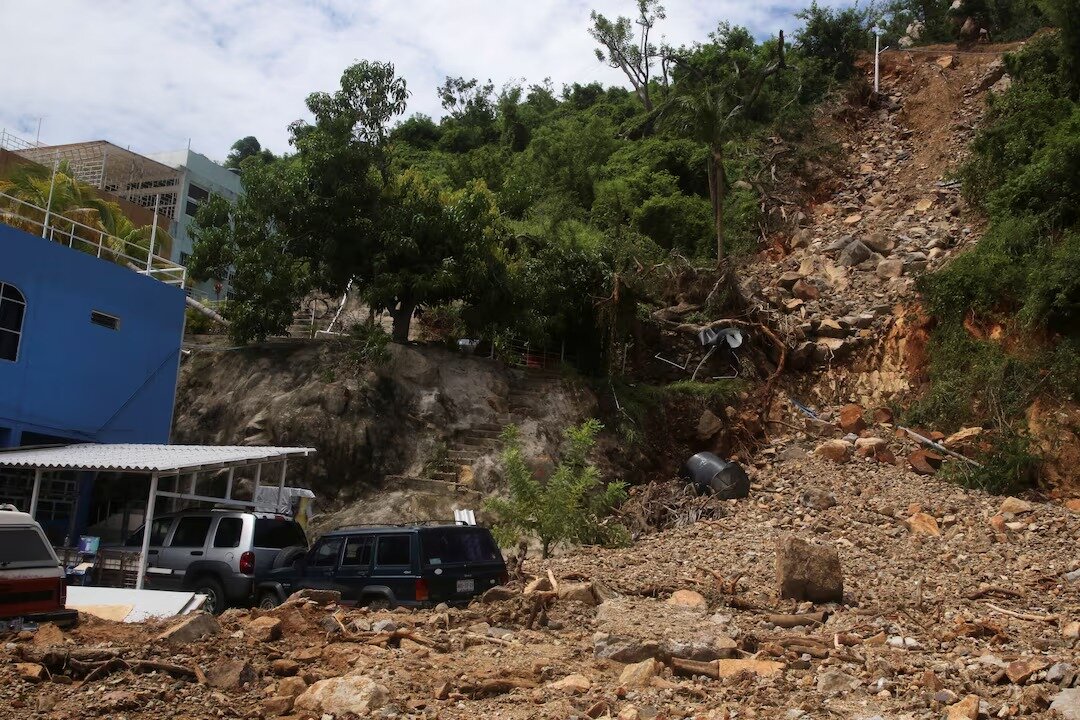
column 48, row 205
column 281, row 484
column 153, row 234
column 258, row 476
column 877, row 59
column 36, row 491
column 148, row 526
column 228, row 484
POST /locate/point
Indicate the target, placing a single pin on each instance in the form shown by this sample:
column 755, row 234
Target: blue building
column 89, row 352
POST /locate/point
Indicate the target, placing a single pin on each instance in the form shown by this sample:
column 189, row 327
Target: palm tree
column 706, row 113
column 75, row 201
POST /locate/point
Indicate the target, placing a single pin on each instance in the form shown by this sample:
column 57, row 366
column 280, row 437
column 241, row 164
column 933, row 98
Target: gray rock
column 890, row 268
column 880, row 244
column 806, row 571
column 790, row 453
column 945, row 697
column 817, row 499
column 624, row 649
column 384, row 626
column 864, row 320
column 1057, row 672
column 834, row 682
column 1067, row 702
column 854, row 253
column 838, row 244
column 191, row 628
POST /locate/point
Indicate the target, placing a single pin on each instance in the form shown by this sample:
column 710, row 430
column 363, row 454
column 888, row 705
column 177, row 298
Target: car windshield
column 23, row 547
column 451, row 545
column 278, row 533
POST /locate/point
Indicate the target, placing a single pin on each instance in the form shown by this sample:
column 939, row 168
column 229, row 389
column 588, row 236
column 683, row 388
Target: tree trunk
column 402, row 316
column 718, row 190
column 643, row 94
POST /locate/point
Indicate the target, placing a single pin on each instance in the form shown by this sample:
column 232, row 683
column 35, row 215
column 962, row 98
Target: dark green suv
column 387, row 566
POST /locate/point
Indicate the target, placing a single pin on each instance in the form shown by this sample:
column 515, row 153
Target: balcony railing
column 94, row 241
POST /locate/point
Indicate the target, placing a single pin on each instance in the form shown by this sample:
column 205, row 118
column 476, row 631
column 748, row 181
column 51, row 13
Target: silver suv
column 222, row 554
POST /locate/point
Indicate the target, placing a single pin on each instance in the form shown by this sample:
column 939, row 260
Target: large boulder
column 851, row 419
column 340, row 695
column 805, row 571
column 839, row 451
column 264, row 629
column 193, row 627
column 854, row 253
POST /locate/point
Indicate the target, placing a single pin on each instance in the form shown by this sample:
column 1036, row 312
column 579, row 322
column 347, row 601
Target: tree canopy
column 520, row 204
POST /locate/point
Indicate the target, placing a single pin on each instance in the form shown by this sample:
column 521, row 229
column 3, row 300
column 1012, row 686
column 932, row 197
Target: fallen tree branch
column 1022, row 616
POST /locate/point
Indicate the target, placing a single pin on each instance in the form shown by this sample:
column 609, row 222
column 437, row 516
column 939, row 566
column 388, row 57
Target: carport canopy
column 157, row 461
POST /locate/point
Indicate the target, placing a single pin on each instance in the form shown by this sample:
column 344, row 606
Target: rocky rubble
column 896, row 215
column 965, row 621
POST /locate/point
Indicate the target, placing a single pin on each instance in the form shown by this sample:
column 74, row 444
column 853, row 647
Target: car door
column 321, row 564
column 354, row 573
column 186, row 544
column 393, row 567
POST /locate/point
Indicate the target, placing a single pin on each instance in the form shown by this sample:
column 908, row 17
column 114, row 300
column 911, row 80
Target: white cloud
column 152, row 75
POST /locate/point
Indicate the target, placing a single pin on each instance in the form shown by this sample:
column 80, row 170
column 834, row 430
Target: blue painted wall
column 77, row 380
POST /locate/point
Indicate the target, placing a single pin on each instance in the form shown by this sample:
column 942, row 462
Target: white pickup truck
column 32, row 583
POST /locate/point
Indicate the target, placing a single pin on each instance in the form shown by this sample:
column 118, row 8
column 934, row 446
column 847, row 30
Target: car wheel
column 379, row 603
column 214, row 592
column 287, row 556
column 268, row 600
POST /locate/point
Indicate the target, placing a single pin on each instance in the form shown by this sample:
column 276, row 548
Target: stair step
column 484, row 442
column 448, row 476
column 477, row 432
column 496, row 427
column 462, row 456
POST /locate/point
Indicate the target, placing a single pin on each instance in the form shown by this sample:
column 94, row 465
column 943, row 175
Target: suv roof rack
column 416, row 524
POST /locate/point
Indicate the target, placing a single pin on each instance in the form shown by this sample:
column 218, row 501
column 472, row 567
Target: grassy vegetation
column 1008, row 311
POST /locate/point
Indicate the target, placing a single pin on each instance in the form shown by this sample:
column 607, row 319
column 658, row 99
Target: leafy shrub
column 718, row 391
column 570, row 507
column 367, row 345
column 1010, row 467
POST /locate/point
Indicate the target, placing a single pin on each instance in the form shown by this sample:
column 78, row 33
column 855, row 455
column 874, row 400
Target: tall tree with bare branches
column 628, row 51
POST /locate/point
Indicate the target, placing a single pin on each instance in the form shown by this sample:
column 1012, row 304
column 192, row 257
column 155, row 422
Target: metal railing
column 95, row 241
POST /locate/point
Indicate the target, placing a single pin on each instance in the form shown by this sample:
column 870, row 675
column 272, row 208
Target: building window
column 192, row 208
column 106, row 321
column 197, row 194
column 12, row 310
column 184, row 257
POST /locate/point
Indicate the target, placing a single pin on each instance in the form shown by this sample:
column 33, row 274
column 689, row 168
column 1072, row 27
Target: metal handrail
column 58, row 228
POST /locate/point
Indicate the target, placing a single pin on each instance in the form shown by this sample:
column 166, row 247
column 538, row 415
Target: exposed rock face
column 369, row 422
column 806, row 571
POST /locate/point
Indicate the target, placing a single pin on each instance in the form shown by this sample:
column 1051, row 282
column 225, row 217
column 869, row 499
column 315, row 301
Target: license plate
column 465, row 586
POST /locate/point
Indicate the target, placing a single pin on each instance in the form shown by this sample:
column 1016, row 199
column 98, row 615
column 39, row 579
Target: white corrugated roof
column 145, row 458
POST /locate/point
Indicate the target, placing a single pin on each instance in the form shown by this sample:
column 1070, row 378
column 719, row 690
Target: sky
column 154, row 75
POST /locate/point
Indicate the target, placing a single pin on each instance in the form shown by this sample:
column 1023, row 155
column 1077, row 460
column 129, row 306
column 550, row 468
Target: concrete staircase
column 529, row 390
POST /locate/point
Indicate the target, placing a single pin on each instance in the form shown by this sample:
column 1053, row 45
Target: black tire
column 214, row 592
column 378, row 602
column 287, row 556
column 268, row 600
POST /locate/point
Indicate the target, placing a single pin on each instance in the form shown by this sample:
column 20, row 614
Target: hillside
column 955, row 603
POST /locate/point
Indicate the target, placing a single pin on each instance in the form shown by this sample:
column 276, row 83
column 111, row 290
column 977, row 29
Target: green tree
column 623, row 50
column 833, row 35
column 713, row 110
column 569, row 507
column 244, row 148
column 435, row 246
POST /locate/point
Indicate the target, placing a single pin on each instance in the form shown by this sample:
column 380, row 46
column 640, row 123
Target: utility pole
column 37, row 138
